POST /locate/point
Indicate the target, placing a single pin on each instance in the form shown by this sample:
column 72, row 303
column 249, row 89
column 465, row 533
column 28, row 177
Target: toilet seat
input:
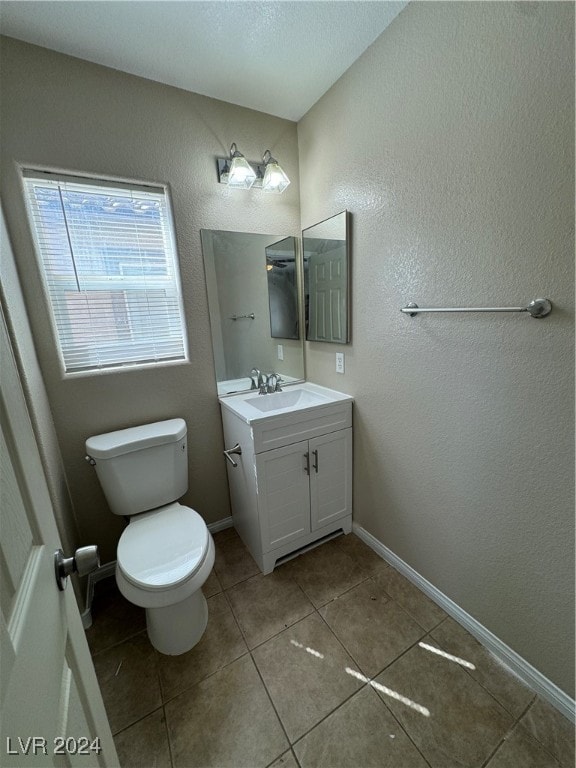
column 162, row 549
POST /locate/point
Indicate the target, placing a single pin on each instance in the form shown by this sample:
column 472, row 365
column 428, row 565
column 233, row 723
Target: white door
column 327, row 296
column 51, row 707
column 330, row 477
column 283, row 494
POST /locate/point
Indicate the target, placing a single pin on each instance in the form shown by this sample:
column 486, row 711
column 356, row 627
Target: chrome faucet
column 255, row 377
column 274, row 383
column 263, row 384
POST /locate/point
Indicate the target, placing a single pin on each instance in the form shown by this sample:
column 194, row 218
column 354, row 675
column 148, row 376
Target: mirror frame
column 348, row 275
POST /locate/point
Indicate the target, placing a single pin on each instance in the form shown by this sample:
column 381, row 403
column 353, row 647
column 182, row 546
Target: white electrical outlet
column 280, row 352
column 339, row 362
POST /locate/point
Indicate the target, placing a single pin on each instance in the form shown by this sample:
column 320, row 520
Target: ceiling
column 277, row 57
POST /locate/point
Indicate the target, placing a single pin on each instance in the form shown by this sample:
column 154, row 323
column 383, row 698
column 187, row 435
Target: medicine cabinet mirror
column 326, row 257
column 253, row 283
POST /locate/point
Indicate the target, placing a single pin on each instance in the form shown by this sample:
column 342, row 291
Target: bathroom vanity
column 289, row 468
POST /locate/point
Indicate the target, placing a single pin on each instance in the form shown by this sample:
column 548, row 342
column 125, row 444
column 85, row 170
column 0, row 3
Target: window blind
column 108, row 257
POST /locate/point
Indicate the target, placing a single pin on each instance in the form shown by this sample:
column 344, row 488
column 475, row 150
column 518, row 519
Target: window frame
column 55, row 298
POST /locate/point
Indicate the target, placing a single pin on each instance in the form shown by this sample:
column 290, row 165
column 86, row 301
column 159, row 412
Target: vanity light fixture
column 241, row 175
column 236, row 172
column 275, row 180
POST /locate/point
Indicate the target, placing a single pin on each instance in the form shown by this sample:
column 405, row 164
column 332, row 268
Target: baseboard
column 220, row 525
column 517, row 665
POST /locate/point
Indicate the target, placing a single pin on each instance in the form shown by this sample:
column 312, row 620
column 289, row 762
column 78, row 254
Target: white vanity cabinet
column 293, row 481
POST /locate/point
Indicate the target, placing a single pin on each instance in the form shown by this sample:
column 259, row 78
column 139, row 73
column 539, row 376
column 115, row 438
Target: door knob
column 84, row 561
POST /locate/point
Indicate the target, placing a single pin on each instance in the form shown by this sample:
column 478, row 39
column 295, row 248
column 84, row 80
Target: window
column 108, row 257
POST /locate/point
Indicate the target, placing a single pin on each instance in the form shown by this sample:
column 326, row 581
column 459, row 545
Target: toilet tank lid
column 135, row 438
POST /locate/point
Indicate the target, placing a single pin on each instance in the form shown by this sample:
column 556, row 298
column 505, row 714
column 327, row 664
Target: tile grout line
column 404, row 730
column 115, row 645
column 168, row 740
column 139, row 720
column 488, row 691
column 273, row 707
column 533, row 735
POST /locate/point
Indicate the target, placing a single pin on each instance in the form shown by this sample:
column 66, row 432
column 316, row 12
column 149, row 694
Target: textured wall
column 72, row 115
column 451, row 142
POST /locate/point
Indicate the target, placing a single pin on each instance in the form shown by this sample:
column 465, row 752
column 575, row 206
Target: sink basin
column 290, row 398
column 293, row 399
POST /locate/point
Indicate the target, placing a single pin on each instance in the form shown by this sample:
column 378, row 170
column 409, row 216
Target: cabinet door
column 283, row 494
column 330, row 477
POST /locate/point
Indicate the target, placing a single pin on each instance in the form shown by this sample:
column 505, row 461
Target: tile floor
column 334, row 659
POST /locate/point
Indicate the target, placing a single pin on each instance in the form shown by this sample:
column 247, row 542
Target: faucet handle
column 263, row 381
column 274, row 382
column 254, row 378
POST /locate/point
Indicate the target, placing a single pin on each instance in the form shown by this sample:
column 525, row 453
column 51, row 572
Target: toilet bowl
column 166, row 552
column 163, row 559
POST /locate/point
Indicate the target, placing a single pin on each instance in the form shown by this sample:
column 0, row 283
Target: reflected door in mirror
column 283, row 289
column 326, row 280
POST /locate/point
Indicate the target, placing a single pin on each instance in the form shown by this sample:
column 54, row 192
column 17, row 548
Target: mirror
column 254, row 316
column 283, row 289
column 326, row 256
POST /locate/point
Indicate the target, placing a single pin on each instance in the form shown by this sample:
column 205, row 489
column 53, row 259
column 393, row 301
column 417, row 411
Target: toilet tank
column 141, row 468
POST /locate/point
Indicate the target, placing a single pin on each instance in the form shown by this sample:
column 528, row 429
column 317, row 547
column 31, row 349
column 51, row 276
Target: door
column 283, row 494
column 327, row 295
column 52, row 712
column 330, row 477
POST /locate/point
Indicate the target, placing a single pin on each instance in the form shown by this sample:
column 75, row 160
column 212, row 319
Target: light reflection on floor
column 457, row 659
column 389, row 692
column 378, row 686
column 307, row 649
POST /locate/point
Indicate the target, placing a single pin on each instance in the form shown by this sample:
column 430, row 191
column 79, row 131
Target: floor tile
column 510, row 692
column 371, row 626
column 265, row 605
column 304, row 670
column 114, row 619
column 225, row 534
column 364, row 555
column 287, row 760
column 452, row 720
column 325, row 572
column 212, row 585
column 226, row 721
column 520, row 750
column 551, row 729
column 361, row 732
column 221, row 643
column 233, row 562
column 145, row 744
column 413, row 600
column 128, row 677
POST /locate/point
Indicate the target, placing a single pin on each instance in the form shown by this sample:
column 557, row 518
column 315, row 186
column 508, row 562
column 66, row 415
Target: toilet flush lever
column 84, row 561
column 237, row 450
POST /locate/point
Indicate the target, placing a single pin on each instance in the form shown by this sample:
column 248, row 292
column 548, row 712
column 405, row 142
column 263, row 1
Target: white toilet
column 166, row 552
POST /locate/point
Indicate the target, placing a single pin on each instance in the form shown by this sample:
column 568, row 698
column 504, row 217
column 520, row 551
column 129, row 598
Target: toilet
column 166, row 552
